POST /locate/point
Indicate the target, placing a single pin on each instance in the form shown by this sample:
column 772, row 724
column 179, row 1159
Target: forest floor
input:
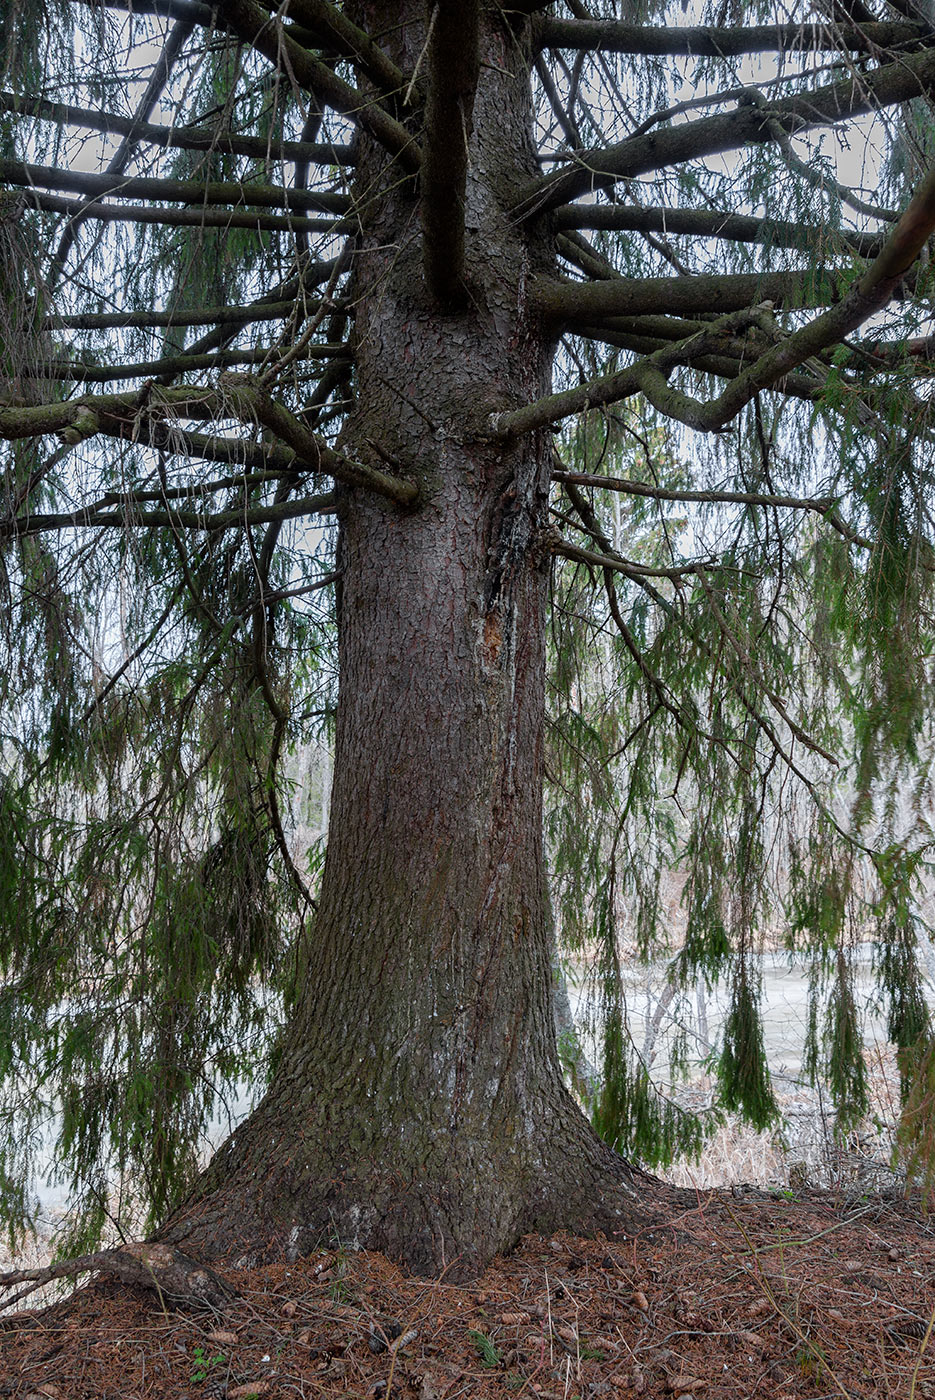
column 729, row 1293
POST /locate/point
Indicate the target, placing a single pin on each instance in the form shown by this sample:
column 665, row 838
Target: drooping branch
column 868, row 296
column 818, row 505
column 730, row 360
column 632, row 568
column 631, row 487
column 649, row 375
column 709, row 41
column 190, row 138
column 610, row 561
column 453, row 70
column 171, row 51
column 14, row 172
column 612, row 388
column 913, row 75
column 296, row 288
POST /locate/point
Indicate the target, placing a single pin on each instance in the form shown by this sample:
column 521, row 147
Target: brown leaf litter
column 729, row 1294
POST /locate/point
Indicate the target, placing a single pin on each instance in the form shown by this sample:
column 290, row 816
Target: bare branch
column 238, row 397
column 333, row 30
column 68, row 371
column 710, row 223
column 699, row 41
column 14, row 172
column 453, row 70
column 590, row 302
column 197, row 316
column 630, row 567
column 628, row 486
column 183, row 218
column 912, row 75
column 178, row 138
column 123, row 512
column 268, row 37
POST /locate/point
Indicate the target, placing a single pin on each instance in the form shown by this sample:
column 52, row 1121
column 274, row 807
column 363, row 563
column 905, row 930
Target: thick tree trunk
column 419, row 1106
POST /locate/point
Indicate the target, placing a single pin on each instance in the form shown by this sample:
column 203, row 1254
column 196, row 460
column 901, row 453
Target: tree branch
column 124, row 512
column 197, row 316
column 709, row 223
column 269, row 38
column 821, row 505
column 237, row 397
column 172, row 48
column 254, row 404
column 14, row 172
column 912, row 75
column 333, row 30
column 630, row 567
column 178, row 138
column 453, row 70
column 70, row 372
column 186, row 218
column 612, row 388
column 699, row 41
column 590, row 302
column 870, row 295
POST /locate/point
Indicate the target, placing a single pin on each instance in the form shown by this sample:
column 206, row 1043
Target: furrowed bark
column 419, row 1106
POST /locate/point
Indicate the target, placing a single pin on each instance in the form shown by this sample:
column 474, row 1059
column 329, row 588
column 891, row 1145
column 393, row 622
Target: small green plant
column 202, row 1364
column 489, row 1356
column 592, row 1353
column 339, row 1291
column 810, row 1360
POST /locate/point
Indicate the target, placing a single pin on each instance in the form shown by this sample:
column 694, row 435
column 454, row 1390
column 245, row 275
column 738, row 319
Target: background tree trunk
column 419, row 1106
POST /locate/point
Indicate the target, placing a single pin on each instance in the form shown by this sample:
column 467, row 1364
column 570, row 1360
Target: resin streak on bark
column 419, row 1106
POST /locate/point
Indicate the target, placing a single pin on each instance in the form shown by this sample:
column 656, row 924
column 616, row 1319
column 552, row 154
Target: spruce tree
column 536, row 396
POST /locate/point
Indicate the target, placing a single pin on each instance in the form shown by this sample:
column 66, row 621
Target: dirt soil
column 730, row 1293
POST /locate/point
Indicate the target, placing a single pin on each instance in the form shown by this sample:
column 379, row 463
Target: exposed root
column 174, row 1276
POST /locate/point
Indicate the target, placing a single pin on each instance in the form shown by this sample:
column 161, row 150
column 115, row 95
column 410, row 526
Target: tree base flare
column 449, row 1216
